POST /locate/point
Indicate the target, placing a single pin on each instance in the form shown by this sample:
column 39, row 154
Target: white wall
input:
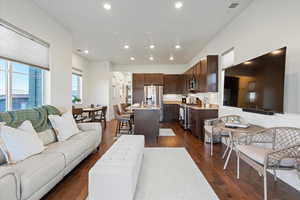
column 99, row 85
column 166, row 69
column 264, row 26
column 82, row 63
column 27, row 16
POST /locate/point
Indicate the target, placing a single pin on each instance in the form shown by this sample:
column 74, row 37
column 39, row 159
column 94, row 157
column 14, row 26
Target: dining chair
column 101, row 116
column 123, row 110
column 78, row 115
column 270, row 149
column 122, row 120
column 213, row 132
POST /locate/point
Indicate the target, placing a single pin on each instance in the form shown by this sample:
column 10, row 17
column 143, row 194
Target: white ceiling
column 141, row 23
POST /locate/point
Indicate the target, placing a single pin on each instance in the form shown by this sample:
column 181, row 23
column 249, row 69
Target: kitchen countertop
column 196, row 107
column 145, row 108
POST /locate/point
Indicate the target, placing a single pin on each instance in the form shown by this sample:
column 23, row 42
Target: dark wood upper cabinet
column 206, row 74
column 138, row 87
column 154, row 79
column 212, row 73
column 138, row 80
column 174, row 84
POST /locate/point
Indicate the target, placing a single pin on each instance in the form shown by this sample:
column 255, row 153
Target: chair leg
column 228, row 156
column 118, row 128
column 275, row 175
column 211, row 145
column 238, row 164
column 130, row 127
column 226, row 150
column 265, row 185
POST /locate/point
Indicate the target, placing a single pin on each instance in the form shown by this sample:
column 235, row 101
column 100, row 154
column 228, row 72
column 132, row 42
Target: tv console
column 259, row 111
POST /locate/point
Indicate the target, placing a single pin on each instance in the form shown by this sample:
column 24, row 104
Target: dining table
column 92, row 111
column 234, row 133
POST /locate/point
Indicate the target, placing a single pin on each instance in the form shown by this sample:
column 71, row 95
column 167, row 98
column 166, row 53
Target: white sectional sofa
column 32, row 178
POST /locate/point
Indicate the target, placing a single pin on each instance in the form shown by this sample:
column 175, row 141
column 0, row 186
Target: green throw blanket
column 37, row 116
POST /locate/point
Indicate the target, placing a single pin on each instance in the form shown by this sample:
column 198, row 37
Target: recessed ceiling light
column 276, row 52
column 107, row 6
column 233, row 5
column 171, row 58
column 247, row 62
column 86, row 51
column 152, row 46
column 178, row 4
column 132, row 58
column 177, row 46
column 126, row 46
column 151, row 58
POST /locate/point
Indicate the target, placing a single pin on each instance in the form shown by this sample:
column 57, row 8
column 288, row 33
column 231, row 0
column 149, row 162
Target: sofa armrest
column 93, row 126
column 9, row 183
column 90, row 126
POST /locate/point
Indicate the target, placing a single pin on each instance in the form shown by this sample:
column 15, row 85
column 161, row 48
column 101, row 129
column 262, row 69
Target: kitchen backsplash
column 172, row 97
column 213, row 97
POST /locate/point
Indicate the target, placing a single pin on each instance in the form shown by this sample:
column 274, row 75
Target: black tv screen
column 257, row 84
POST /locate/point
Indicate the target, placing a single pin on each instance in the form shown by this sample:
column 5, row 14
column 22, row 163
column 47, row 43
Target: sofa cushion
column 90, row 138
column 64, row 126
column 48, row 136
column 21, row 142
column 74, row 146
column 38, row 170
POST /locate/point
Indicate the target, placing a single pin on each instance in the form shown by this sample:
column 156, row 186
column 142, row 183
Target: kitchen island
column 191, row 116
column 146, row 122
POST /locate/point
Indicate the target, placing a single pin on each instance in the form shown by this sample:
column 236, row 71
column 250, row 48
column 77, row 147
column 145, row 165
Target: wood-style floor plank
column 249, row 187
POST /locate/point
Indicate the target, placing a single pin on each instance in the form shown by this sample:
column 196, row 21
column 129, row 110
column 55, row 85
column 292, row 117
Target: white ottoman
column 115, row 175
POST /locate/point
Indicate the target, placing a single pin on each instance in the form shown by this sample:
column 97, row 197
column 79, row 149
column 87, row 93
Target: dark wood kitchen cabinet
column 174, row 84
column 170, row 112
column 198, row 116
column 208, row 74
column 153, row 79
column 205, row 73
column 138, row 87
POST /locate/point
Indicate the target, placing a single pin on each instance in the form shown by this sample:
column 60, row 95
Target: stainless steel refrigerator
column 153, row 95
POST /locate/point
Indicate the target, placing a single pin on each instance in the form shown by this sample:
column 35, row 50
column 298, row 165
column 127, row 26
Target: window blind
column 76, row 71
column 20, row 46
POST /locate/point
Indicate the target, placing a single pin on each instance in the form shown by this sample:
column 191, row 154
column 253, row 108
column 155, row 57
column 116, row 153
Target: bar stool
column 122, row 120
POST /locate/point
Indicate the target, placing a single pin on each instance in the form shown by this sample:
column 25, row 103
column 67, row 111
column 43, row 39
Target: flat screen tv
column 257, row 84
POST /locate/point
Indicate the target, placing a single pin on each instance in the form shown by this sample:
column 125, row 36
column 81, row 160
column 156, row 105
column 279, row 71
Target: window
column 21, row 86
column 23, row 60
column 76, row 88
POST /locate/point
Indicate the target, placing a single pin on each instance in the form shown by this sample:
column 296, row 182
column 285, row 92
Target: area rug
column 166, row 132
column 171, row 174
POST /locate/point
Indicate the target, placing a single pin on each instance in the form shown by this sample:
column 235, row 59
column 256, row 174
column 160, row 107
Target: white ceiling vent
column 233, row 5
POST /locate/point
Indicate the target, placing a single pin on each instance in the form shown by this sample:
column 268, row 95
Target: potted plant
column 75, row 100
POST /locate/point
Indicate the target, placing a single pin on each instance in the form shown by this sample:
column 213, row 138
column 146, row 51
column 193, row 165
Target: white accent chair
column 211, row 131
column 270, row 149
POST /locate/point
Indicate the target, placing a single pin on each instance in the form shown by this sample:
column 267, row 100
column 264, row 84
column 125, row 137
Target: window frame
column 9, row 86
column 79, row 87
column 222, row 74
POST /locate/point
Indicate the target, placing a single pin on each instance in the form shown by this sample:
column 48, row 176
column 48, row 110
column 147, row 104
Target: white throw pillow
column 20, row 143
column 64, row 126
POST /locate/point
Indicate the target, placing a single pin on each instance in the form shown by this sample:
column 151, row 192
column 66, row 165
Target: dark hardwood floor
column 250, row 186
